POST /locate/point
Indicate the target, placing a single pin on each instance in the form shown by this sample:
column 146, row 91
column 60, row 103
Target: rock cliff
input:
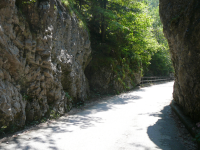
column 181, row 21
column 104, row 78
column 44, row 51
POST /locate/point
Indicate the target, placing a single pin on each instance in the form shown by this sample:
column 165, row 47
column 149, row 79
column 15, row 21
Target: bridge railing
column 155, row 79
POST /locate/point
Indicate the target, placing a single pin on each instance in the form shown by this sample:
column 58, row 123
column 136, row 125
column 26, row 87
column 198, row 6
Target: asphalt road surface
column 137, row 120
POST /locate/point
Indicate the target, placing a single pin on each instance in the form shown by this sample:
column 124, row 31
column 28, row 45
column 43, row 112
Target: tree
column 160, row 64
column 126, row 31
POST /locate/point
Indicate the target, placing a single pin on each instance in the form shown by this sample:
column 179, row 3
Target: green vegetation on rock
column 126, row 38
column 160, row 63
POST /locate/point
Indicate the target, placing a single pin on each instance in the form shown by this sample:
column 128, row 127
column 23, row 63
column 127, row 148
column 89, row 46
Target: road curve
column 137, row 120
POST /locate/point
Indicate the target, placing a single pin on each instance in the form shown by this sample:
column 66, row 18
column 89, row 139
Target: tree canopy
column 125, row 33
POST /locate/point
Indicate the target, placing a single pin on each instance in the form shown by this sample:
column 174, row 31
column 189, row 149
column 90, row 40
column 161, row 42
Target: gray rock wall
column 105, row 80
column 181, row 21
column 43, row 55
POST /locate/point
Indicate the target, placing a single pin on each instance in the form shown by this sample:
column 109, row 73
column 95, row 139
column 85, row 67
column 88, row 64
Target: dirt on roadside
column 183, row 134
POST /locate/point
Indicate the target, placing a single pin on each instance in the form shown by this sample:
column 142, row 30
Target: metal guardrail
column 155, row 79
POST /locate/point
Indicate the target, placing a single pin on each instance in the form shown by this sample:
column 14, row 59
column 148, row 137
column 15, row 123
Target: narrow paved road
column 138, row 120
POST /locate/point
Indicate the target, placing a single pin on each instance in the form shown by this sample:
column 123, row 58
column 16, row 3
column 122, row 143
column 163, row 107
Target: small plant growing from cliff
column 28, row 2
column 81, row 24
column 117, row 92
column 21, row 3
column 55, row 7
column 13, row 128
column 65, row 2
column 54, row 114
column 25, row 97
column 44, row 119
column 67, row 95
column 2, row 129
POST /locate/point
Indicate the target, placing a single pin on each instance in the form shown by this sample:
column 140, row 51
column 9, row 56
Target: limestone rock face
column 43, row 55
column 181, row 21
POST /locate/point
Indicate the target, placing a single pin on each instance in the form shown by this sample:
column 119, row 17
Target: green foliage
column 8, row 129
column 2, row 129
column 67, row 95
column 54, row 114
column 120, row 29
column 118, row 93
column 44, row 119
column 160, row 63
column 25, row 97
column 70, row 5
column 76, row 104
column 28, row 2
column 24, row 3
column 55, row 8
column 121, row 34
column 13, row 128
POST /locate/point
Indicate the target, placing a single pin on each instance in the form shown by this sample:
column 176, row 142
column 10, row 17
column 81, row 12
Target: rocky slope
column 181, row 20
column 43, row 54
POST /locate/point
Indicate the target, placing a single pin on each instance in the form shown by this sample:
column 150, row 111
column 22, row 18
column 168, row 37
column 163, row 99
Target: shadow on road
column 71, row 123
column 111, row 102
column 164, row 132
